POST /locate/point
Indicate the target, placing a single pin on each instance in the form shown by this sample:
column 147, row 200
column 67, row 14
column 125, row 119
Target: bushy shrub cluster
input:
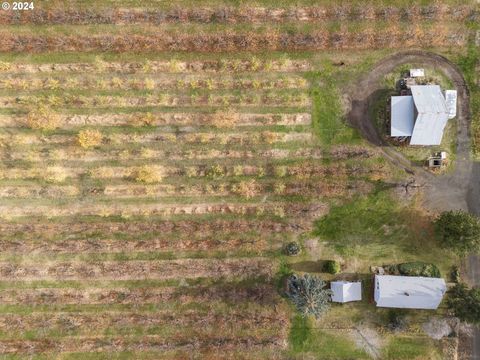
column 89, row 138
column 292, row 249
column 414, row 268
column 149, row 174
column 42, row 117
column 459, row 231
column 331, row 267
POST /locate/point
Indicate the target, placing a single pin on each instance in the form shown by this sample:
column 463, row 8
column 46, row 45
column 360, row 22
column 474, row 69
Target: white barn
column 344, row 291
column 409, row 292
column 422, row 116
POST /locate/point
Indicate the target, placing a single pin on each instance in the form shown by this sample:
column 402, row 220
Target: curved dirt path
column 457, row 190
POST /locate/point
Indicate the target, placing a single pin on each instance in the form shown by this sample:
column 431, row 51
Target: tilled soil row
column 259, row 294
column 84, row 230
column 176, row 119
column 272, row 98
column 146, row 343
column 67, row 153
column 216, row 171
column 173, row 66
column 243, row 14
column 316, row 189
column 280, row 188
column 394, row 36
column 174, row 83
column 65, row 324
column 342, row 152
column 92, row 245
column 38, row 191
column 129, row 270
column 229, row 138
column 127, row 210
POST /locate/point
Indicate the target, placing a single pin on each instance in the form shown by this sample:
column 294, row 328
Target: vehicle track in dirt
column 459, row 189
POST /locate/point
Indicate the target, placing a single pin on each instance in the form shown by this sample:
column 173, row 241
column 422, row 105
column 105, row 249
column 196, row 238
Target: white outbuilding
column 451, row 101
column 417, row 73
column 344, row 291
column 422, row 116
column 409, row 292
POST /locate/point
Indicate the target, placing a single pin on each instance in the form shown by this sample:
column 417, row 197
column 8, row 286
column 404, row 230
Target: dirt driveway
column 457, row 190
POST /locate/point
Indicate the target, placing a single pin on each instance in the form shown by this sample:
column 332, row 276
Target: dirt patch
column 368, row 340
column 438, row 328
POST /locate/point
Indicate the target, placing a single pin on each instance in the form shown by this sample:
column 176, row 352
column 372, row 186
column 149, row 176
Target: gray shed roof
column 411, row 292
column 402, row 116
column 432, row 115
column 344, row 291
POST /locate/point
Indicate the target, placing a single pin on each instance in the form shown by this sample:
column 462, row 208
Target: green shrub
column 331, row 267
column 292, row 249
column 465, row 303
column 417, row 268
column 459, row 231
column 392, row 269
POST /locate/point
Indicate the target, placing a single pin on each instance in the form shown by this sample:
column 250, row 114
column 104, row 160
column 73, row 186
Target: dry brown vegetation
column 245, row 14
column 89, row 138
column 393, row 36
column 42, row 117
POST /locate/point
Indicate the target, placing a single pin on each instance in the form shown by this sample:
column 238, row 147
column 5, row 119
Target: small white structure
column 451, row 101
column 344, row 291
column 417, row 73
column 408, row 292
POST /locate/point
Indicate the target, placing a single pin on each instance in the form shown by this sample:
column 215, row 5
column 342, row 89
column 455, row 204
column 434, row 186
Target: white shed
column 344, row 291
column 402, row 120
column 417, row 73
column 423, row 116
column 451, row 101
column 409, row 292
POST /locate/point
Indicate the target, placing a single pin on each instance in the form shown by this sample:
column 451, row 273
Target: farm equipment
column 437, row 160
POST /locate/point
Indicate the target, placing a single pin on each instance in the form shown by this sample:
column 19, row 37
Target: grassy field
column 148, row 186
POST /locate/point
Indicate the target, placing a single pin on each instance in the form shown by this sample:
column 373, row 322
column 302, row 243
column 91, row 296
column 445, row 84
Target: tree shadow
column 309, row 266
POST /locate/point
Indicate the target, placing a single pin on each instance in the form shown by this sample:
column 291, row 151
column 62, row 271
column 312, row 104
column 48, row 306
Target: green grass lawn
column 377, row 230
column 307, row 340
column 409, row 348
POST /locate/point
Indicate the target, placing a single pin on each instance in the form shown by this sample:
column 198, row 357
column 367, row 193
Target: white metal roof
column 411, row 292
column 451, row 102
column 402, row 116
column 432, row 115
column 344, row 291
column 428, row 99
